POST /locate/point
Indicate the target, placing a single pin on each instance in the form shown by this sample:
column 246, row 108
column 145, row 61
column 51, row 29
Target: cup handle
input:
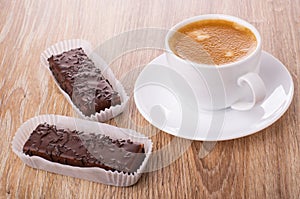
column 258, row 90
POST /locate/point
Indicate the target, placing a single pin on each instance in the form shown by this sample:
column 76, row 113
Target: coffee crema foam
column 213, row 42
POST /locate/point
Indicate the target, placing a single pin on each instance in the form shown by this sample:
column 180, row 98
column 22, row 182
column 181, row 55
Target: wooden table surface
column 263, row 165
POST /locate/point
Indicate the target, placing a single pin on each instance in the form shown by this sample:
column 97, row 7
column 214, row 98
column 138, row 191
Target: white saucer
column 158, row 92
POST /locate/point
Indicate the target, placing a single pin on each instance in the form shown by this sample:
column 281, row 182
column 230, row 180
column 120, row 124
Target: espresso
column 213, row 42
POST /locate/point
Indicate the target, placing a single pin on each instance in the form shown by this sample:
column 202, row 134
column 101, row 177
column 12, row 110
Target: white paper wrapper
column 67, row 45
column 88, row 173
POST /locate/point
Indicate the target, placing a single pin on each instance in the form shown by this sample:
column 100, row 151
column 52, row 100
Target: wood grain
column 263, row 165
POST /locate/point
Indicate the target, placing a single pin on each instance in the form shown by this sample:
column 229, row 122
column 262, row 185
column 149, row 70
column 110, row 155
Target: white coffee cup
column 236, row 85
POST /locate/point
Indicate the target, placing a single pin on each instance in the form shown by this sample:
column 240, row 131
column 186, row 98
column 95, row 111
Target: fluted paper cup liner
column 95, row 174
column 103, row 115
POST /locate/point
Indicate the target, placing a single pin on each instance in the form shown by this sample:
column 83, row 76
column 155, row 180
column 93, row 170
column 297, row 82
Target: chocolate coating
column 78, row 76
column 81, row 149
